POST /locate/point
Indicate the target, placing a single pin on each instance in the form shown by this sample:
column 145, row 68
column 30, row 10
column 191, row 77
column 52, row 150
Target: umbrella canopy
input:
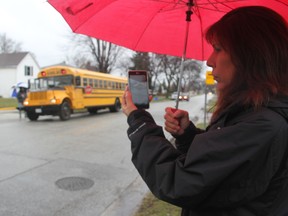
column 171, row 27
column 157, row 26
column 14, row 93
column 20, row 85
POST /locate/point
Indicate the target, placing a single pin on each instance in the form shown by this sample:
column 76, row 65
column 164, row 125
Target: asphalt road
column 80, row 167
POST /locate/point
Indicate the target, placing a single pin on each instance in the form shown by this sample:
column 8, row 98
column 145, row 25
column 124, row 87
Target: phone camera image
column 138, row 85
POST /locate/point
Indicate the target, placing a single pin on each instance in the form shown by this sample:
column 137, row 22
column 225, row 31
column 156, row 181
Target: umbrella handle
column 173, row 110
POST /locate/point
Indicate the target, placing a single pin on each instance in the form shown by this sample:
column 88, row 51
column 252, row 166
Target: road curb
column 129, row 201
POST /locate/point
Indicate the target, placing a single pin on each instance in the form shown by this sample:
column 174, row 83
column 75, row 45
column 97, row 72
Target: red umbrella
column 159, row 26
column 152, row 25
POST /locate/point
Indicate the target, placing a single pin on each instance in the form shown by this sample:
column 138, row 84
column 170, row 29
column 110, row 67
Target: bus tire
column 65, row 111
column 32, row 116
column 116, row 107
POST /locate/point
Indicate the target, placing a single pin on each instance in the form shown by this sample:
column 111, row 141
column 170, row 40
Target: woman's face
column 223, row 68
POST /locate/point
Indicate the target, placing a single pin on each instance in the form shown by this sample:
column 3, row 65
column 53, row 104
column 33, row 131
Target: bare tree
column 94, row 54
column 192, row 79
column 171, row 70
column 151, row 63
column 124, row 64
column 141, row 61
column 8, row 45
column 156, row 72
column 164, row 71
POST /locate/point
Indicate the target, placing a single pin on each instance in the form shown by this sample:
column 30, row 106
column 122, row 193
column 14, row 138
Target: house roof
column 11, row 59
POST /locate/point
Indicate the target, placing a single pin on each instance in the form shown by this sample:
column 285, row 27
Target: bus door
column 77, row 95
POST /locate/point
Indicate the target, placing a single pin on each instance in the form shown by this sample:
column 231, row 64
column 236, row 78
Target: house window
column 28, row 71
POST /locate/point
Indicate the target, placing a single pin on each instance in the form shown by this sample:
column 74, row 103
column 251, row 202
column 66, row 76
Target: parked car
column 174, row 96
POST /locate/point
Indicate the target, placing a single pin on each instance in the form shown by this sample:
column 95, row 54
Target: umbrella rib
column 197, row 12
column 144, row 29
column 217, row 2
column 281, row 2
column 212, row 3
column 180, row 3
column 152, row 17
column 205, row 6
column 88, row 18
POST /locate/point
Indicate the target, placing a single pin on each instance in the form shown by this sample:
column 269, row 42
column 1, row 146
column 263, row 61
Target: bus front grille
column 38, row 95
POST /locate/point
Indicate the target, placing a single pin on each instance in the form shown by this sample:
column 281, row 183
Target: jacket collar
column 279, row 104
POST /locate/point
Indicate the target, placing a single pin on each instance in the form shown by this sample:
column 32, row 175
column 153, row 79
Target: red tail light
column 63, row 71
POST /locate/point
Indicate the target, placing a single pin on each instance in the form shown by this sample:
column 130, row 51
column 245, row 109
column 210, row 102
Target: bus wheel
column 65, row 111
column 32, row 116
column 116, row 107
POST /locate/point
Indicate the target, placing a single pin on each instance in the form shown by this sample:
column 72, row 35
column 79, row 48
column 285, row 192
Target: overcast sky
column 37, row 26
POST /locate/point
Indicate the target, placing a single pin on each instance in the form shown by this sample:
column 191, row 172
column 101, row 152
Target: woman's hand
column 127, row 104
column 176, row 121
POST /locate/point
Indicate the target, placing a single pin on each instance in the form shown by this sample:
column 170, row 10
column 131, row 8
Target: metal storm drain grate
column 74, row 183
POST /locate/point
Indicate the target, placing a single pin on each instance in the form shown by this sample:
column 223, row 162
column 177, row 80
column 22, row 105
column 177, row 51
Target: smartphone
column 138, row 85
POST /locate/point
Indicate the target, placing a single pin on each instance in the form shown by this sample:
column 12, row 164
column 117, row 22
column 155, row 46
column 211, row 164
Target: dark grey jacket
column 238, row 167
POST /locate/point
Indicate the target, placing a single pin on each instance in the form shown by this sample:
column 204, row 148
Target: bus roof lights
column 63, row 71
column 43, row 73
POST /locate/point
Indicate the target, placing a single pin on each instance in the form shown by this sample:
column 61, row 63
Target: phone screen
column 138, row 85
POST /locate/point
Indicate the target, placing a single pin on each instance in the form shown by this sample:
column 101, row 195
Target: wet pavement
column 72, row 168
column 80, row 167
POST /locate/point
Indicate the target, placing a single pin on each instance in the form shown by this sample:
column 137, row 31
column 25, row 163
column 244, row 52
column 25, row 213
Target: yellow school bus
column 61, row 90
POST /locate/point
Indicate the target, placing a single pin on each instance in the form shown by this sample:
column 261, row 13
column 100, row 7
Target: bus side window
column 85, row 82
column 96, row 83
column 78, row 81
column 123, row 86
column 91, row 82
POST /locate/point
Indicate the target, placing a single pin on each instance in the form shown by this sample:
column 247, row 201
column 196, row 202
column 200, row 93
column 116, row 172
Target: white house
column 15, row 68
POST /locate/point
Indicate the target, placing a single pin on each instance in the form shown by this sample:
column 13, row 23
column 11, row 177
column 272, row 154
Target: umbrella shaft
column 182, row 62
column 180, row 81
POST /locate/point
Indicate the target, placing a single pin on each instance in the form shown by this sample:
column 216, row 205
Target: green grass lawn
column 8, row 102
column 151, row 206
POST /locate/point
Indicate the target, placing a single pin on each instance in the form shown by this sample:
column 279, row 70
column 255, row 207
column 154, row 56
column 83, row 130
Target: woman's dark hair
column 257, row 39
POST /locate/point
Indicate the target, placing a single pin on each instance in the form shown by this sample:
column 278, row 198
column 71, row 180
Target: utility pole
column 209, row 81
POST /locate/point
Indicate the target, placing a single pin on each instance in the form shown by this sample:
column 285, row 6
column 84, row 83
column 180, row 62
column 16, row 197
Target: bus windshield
column 55, row 82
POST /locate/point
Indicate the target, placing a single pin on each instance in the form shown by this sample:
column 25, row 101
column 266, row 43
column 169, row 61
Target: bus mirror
column 78, row 81
column 29, row 84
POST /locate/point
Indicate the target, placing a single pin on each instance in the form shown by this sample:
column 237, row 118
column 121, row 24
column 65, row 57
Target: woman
column 238, row 166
